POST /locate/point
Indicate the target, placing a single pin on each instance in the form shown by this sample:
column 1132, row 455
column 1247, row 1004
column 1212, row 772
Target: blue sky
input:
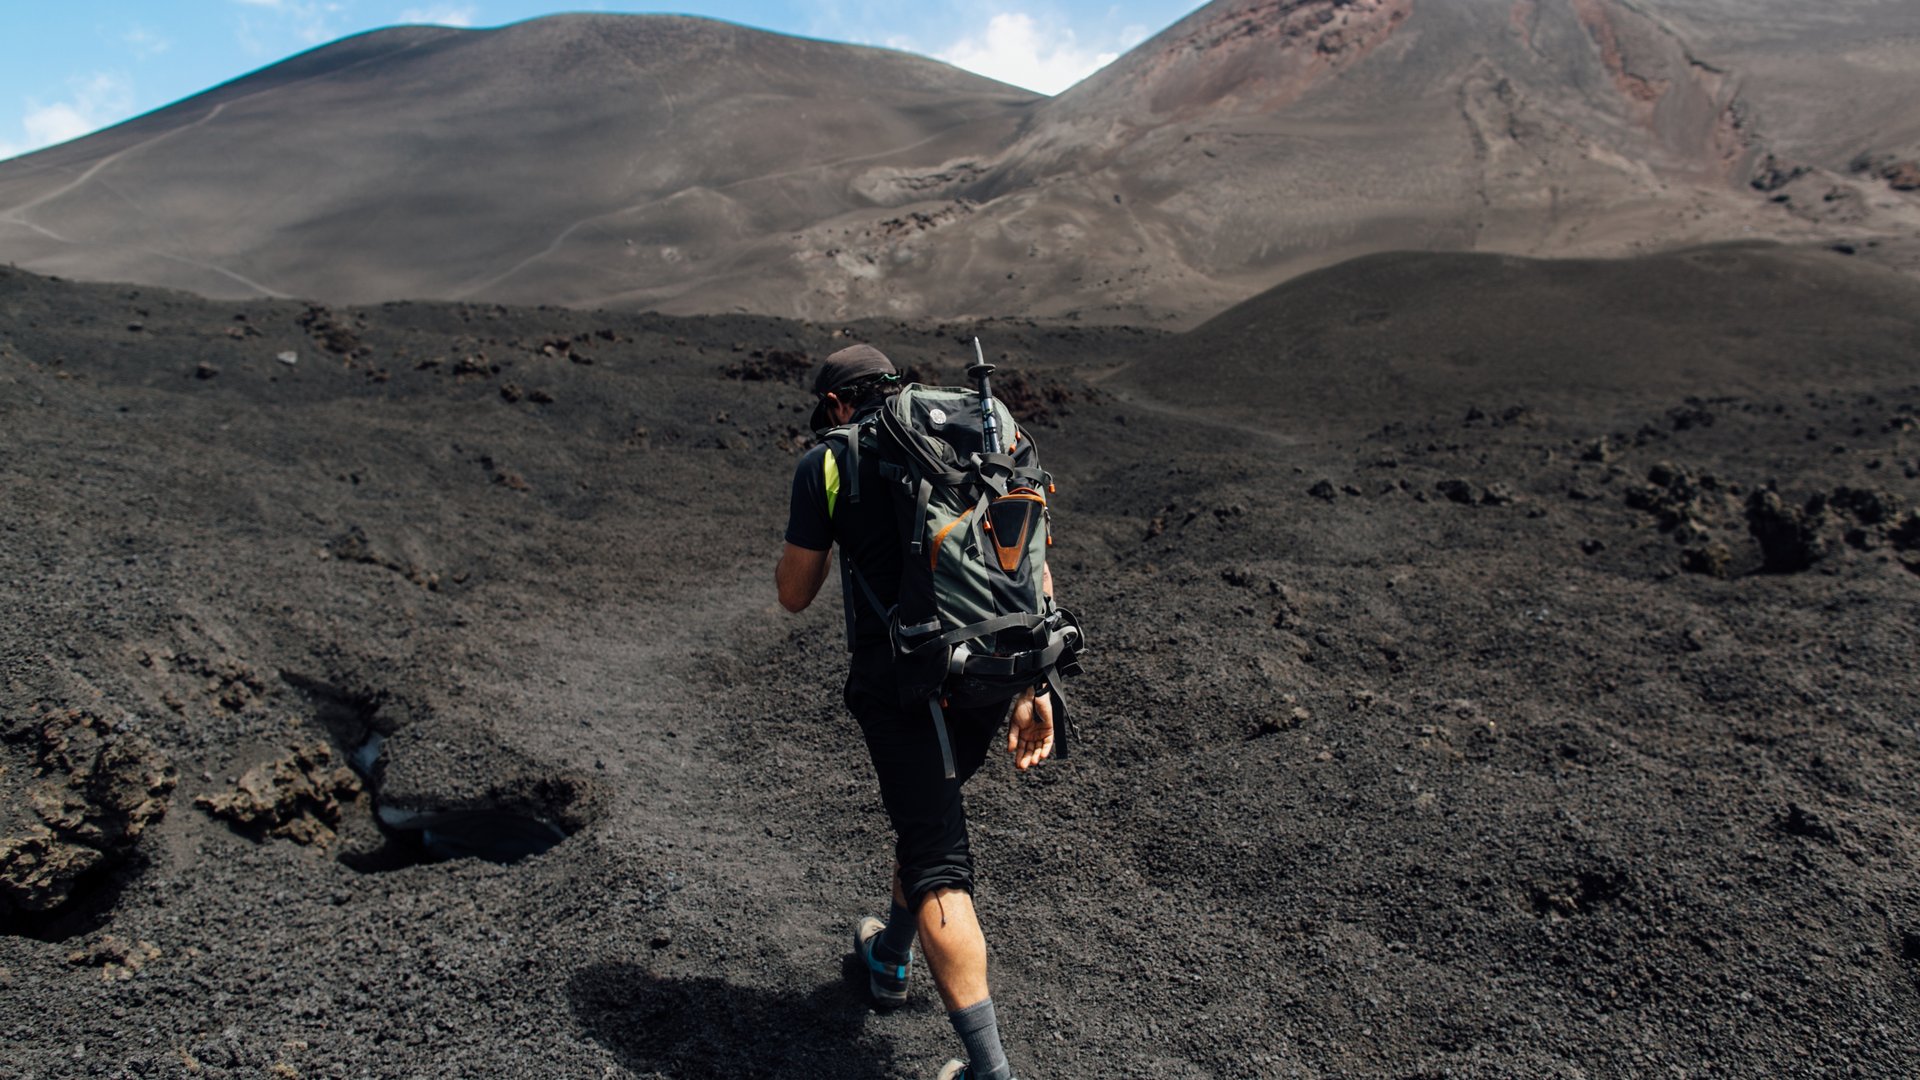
column 70, row 68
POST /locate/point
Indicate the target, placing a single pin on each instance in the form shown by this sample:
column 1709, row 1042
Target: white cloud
column 1015, row 49
column 145, row 42
column 96, row 101
column 441, row 15
column 311, row 21
column 56, row 123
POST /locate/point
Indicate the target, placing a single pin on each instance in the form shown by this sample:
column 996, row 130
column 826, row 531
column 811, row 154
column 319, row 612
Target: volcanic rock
column 93, row 790
column 1789, row 536
column 1868, row 507
column 1677, row 498
column 1903, row 176
column 117, row 960
column 1712, row 558
column 296, row 796
column 1906, row 535
column 780, row 365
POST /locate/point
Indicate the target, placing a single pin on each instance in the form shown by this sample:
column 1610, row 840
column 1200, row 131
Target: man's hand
column 1030, row 736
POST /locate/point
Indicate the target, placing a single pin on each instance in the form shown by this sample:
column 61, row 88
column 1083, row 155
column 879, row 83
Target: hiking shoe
column 886, row 983
column 955, row 1070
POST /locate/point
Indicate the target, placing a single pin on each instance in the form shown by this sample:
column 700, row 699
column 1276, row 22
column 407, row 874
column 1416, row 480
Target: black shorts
column 929, row 817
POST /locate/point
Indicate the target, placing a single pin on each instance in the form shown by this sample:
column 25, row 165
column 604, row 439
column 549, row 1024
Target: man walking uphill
column 923, row 754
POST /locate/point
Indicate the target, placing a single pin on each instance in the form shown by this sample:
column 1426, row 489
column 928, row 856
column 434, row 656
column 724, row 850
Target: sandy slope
column 1413, row 745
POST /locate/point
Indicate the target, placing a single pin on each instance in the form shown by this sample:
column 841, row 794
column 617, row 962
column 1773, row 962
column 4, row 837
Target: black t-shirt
column 822, row 514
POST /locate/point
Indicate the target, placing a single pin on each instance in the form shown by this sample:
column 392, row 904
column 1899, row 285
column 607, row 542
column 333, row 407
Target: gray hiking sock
column 895, row 943
column 980, row 1031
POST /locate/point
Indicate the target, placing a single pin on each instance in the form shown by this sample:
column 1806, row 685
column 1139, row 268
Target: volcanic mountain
column 568, row 158
column 693, row 166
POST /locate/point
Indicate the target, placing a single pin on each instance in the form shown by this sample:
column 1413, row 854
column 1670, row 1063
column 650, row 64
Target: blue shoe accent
column 886, row 983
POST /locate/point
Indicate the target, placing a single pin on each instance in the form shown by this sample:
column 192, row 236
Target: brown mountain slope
column 658, row 162
column 548, row 160
column 1260, row 138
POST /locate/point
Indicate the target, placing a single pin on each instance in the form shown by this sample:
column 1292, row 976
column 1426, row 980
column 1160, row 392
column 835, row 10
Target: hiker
column 921, row 767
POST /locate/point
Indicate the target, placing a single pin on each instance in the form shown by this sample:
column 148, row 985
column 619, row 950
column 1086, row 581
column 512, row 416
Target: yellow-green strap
column 832, row 475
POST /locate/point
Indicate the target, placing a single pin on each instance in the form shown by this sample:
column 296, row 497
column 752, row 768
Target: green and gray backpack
column 973, row 625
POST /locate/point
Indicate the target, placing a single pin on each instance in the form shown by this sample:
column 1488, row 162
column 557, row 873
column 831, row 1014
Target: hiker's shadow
column 696, row 1028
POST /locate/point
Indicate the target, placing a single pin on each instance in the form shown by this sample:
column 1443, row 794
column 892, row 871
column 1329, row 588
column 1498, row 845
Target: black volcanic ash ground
column 1513, row 732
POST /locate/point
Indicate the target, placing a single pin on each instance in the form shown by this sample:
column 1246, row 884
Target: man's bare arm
column 1030, row 735
column 799, row 575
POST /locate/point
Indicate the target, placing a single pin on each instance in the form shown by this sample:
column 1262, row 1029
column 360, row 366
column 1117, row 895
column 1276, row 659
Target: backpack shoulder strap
column 843, row 462
column 842, row 469
column 853, row 464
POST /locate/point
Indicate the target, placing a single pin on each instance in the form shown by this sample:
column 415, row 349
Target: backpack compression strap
column 848, row 435
column 1062, row 727
column 1018, row 620
column 940, row 729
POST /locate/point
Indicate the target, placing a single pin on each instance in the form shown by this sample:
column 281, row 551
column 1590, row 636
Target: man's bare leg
column 956, row 949
column 957, row 954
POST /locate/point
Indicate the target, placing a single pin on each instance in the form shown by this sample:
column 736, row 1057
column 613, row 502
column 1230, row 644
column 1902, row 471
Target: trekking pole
column 989, row 426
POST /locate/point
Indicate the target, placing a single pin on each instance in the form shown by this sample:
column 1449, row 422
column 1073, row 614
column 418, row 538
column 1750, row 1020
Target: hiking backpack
column 973, row 625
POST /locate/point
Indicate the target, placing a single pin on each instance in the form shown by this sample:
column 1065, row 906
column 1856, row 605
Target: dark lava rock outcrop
column 79, row 791
column 116, row 959
column 297, row 796
column 1789, row 535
